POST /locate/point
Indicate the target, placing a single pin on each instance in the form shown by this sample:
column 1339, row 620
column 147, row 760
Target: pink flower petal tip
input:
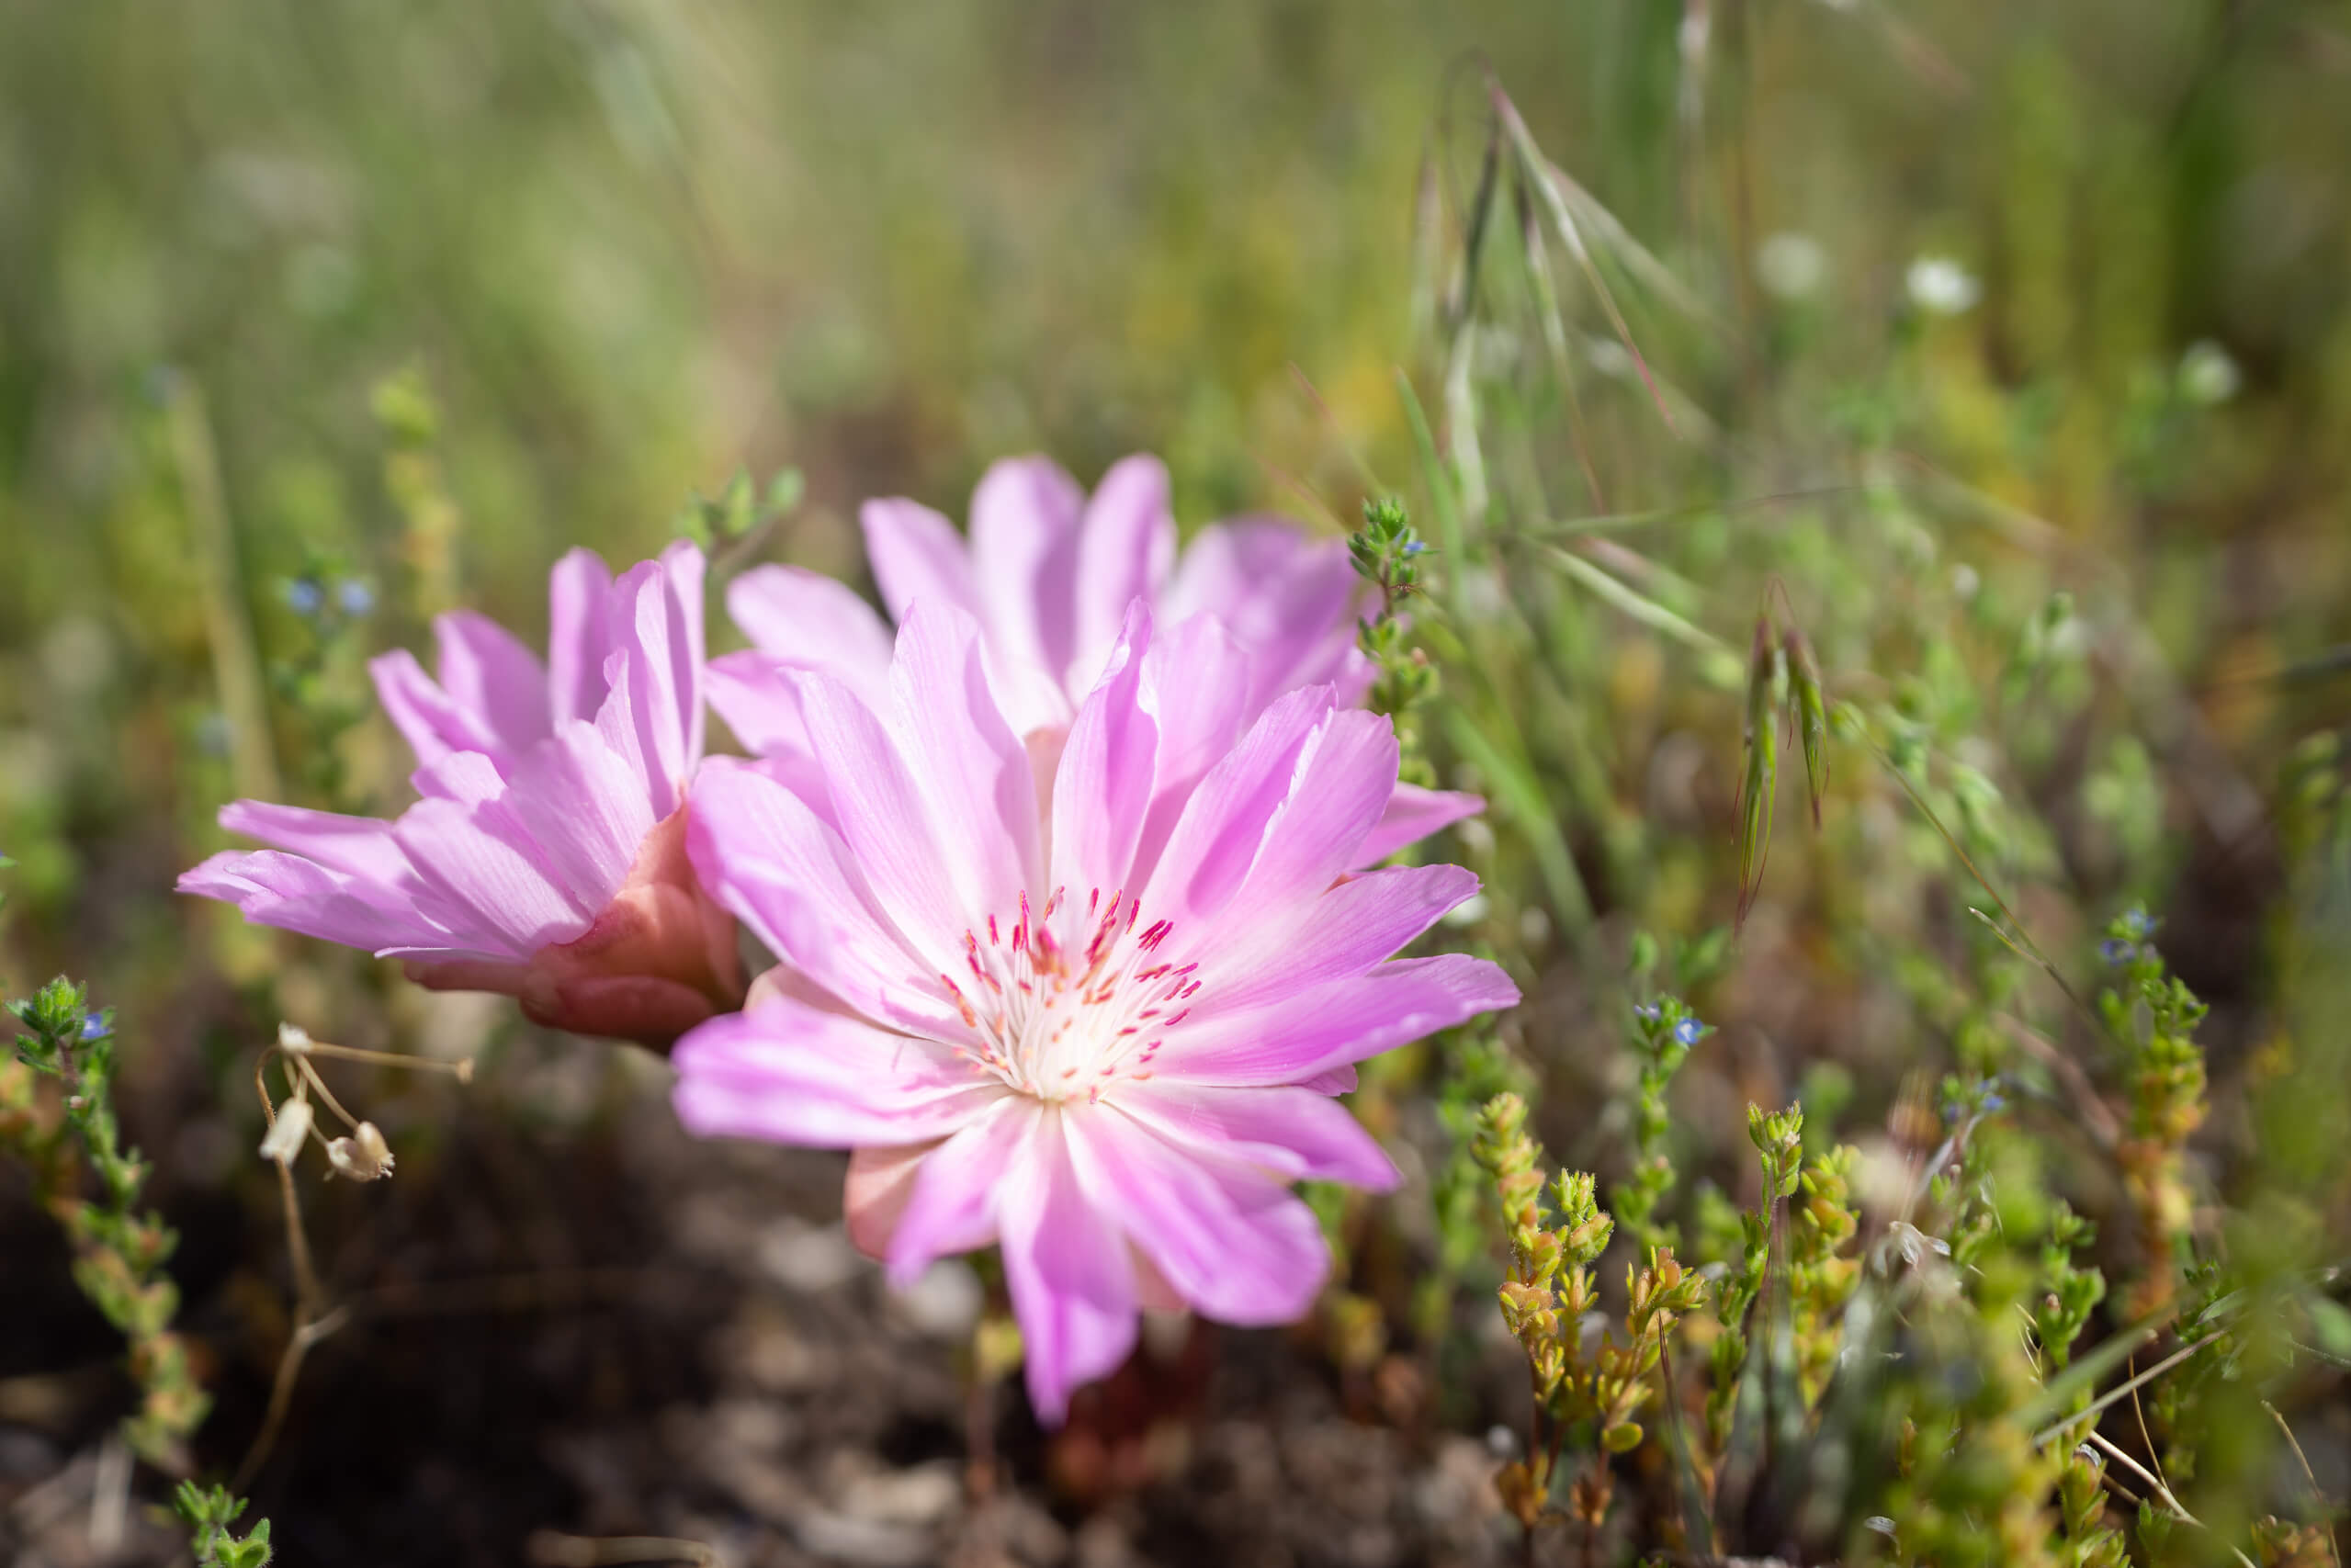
column 1048, row 572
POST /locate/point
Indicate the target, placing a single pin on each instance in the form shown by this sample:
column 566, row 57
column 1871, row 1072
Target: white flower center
column 1062, row 1018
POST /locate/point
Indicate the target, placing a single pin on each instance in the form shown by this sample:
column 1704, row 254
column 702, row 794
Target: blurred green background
column 294, row 295
column 630, row 247
column 2017, row 350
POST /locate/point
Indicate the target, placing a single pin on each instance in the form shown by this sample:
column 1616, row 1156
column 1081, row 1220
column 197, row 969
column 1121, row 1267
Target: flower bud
column 287, row 1132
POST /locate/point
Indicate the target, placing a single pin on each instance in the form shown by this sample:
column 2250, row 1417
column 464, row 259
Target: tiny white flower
column 287, row 1133
column 2206, row 375
column 1940, row 286
column 362, row 1156
column 293, row 1037
column 1791, row 266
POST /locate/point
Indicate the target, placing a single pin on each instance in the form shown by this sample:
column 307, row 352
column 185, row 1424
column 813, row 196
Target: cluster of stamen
column 1060, row 1020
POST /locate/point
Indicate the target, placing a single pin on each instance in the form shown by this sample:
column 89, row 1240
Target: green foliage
column 1475, row 1068
column 740, row 519
column 1386, row 553
column 2072, row 1292
column 316, row 676
column 209, row 1513
column 2034, row 514
column 1663, row 1030
column 119, row 1250
column 1767, row 687
column 2153, row 1018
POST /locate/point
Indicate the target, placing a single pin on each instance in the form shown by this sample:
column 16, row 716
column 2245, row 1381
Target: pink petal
column 1102, row 787
column 809, row 618
column 655, row 621
column 585, row 810
column 760, row 704
column 1294, row 1134
column 360, row 846
column 785, row 873
column 792, row 1073
column 466, row 777
column 1216, row 839
column 482, row 858
column 1413, row 813
column 955, row 1204
column 1343, row 780
column 293, row 893
column 1196, row 682
column 1308, row 1033
column 884, row 822
column 970, row 770
column 916, row 554
column 879, row 1185
column 492, row 675
column 1343, row 931
column 1125, row 547
column 1025, row 561
column 1231, row 1240
column 577, row 637
column 753, row 692
column 1287, row 597
column 1073, row 1289
column 433, row 723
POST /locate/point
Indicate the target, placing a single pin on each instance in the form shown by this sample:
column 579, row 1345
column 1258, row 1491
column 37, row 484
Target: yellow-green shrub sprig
column 1778, row 1139
column 1544, row 1302
column 2153, row 1017
column 1820, row 1276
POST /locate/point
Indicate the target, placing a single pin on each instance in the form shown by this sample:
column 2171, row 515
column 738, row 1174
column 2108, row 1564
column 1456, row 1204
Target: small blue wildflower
column 2140, row 923
column 1687, row 1030
column 355, row 597
column 1418, row 547
column 1646, row 1010
column 96, row 1026
column 1993, row 1102
column 2116, row 951
column 304, row 595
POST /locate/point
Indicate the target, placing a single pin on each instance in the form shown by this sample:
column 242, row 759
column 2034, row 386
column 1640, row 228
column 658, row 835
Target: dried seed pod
column 362, row 1156
column 1812, row 715
column 1762, row 773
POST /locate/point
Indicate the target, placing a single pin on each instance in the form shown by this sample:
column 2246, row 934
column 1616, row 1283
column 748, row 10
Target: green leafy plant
column 120, row 1248
column 208, row 1512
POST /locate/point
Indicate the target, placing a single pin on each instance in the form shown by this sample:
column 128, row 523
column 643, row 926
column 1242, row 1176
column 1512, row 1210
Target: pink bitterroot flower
column 547, row 859
column 1093, row 1006
column 1048, row 572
